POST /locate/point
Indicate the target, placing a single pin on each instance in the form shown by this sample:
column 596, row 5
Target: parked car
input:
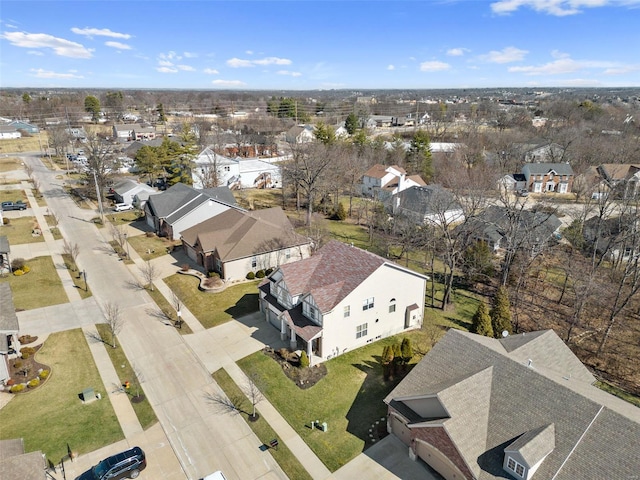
column 126, row 464
column 215, row 476
column 19, row 205
column 523, row 193
column 122, row 207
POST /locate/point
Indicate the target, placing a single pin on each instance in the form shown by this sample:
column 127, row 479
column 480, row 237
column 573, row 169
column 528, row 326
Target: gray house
column 127, row 190
column 429, row 204
column 9, row 329
column 521, row 407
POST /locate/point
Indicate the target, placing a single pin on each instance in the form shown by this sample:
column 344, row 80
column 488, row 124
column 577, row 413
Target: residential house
column 180, row 207
column 9, row 329
column 512, row 182
column 542, row 152
column 521, row 407
column 76, row 133
column 234, row 242
column 235, row 173
column 8, row 132
column 5, row 251
column 341, row 298
column 548, row 177
column 300, row 134
column 614, row 237
column 503, row 228
column 382, row 182
column 430, row 204
column 26, row 126
column 621, row 178
column 126, row 190
column 15, row 464
column 133, row 131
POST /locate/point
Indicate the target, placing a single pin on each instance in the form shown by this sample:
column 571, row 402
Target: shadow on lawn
column 247, row 304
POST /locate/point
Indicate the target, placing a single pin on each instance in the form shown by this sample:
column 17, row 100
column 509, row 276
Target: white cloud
column 562, row 64
column 99, row 32
column 185, row 68
column 190, row 55
column 457, row 52
column 249, row 52
column 211, row 71
column 621, row 70
column 434, row 66
column 506, row 55
column 228, row 83
column 40, row 73
column 242, row 63
column 118, row 45
column 60, row 46
column 391, row 67
column 288, row 72
column 35, row 52
column 559, row 8
column 166, row 69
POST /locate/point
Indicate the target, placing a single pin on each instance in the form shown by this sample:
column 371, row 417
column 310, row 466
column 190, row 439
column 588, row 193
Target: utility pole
column 95, row 178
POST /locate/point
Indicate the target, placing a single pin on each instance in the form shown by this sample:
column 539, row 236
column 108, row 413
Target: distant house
column 521, row 407
column 622, row 179
column 133, row 132
column 234, row 242
column 8, row 132
column 77, row 133
column 614, row 237
column 27, row 127
column 430, row 204
column 548, row 177
column 300, row 134
column 513, row 182
column 341, row 298
column 127, row 190
column 545, row 152
column 180, row 207
column 382, row 182
column 9, row 329
column 498, row 226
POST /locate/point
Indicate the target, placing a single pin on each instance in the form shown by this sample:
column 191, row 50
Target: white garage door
column 400, row 430
column 438, row 461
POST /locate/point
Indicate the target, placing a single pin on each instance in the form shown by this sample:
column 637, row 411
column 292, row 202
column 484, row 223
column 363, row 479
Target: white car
column 122, row 207
column 215, row 476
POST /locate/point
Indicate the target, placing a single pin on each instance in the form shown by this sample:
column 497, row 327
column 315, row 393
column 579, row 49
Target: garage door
column 438, row 461
column 273, row 319
column 400, row 430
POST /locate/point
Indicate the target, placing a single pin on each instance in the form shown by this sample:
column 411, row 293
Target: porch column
column 310, row 352
column 283, row 329
column 293, row 342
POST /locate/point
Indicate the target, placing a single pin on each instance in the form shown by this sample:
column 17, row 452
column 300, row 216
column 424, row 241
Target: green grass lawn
column 212, row 309
column 41, row 287
column 8, row 164
column 151, row 247
column 13, row 195
column 52, row 416
column 287, row 461
column 144, row 410
column 168, row 311
column 349, row 398
column 76, row 276
column 19, row 230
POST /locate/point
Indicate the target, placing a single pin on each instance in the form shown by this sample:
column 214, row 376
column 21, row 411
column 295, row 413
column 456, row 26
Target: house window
column 287, row 253
column 515, row 467
column 361, row 330
column 347, row 311
column 227, row 168
column 254, row 262
column 367, row 304
column 392, row 305
column 310, row 311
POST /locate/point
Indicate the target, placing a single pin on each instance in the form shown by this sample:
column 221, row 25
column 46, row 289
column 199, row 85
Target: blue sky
column 300, row 45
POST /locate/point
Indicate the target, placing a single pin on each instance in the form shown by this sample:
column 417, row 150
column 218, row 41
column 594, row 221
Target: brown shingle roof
column 331, row 274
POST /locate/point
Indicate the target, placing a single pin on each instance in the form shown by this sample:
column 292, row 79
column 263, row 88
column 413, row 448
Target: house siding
column 438, row 438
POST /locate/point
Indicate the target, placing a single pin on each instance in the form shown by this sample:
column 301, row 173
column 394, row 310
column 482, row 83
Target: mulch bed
column 303, row 377
column 18, row 366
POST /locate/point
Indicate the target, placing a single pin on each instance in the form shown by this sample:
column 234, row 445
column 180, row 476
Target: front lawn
column 20, row 230
column 349, row 399
column 53, row 415
column 41, row 287
column 152, row 246
column 212, row 309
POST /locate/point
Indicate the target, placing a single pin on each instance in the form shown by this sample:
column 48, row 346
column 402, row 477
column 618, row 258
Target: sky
column 311, row 45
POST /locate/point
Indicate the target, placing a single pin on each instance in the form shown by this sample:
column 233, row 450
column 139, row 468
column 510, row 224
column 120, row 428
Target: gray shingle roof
column 8, row 318
column 427, row 200
column 4, row 244
column 180, row 199
column 544, row 168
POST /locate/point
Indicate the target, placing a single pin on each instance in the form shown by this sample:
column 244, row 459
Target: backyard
column 349, row 399
column 52, row 416
column 49, row 287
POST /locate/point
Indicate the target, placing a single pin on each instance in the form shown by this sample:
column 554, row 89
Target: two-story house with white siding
column 341, row 298
column 382, row 182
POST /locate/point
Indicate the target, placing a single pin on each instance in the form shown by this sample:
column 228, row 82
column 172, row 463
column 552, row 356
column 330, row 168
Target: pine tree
column 407, row 350
column 501, row 313
column 482, row 321
column 304, row 360
column 351, row 123
column 341, row 212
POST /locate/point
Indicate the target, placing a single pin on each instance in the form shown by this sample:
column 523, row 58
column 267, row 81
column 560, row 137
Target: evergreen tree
column 397, row 353
column 482, row 321
column 341, row 212
column 325, row 134
column 407, row 350
column 161, row 115
column 419, row 155
column 304, row 360
column 351, row 123
column 501, row 313
column 387, row 355
column 92, row 106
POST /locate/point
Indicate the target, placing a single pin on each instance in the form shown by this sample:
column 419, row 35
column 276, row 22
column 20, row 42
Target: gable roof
column 379, row 170
column 524, row 399
column 544, row 168
column 129, row 185
column 618, row 171
column 180, row 199
column 332, row 273
column 236, row 234
column 427, row 200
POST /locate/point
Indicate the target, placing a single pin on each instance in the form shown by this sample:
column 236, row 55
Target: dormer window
column 392, row 305
column 515, row 467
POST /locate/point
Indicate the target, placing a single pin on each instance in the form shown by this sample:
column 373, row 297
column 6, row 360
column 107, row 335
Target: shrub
column 212, row 274
column 251, row 276
column 18, row 273
column 27, row 352
column 26, row 269
column 269, row 271
column 43, row 374
column 341, row 212
column 185, row 267
column 304, row 360
column 6, row 221
column 150, row 234
column 24, row 339
column 17, row 388
column 33, row 383
column 17, row 364
column 17, row 263
column 260, row 274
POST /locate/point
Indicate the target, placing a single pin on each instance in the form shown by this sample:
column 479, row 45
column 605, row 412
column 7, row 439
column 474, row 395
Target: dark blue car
column 127, row 464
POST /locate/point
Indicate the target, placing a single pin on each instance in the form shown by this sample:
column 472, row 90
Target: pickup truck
column 19, row 205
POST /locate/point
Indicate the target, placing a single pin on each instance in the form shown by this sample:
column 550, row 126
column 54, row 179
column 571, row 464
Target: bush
column 251, row 276
column 27, row 352
column 304, row 360
column 26, row 269
column 17, row 263
column 24, row 339
column 212, row 274
column 341, row 212
column 43, row 374
column 6, row 221
column 17, row 388
column 185, row 267
column 18, row 273
column 150, row 234
column 260, row 274
column 17, row 364
column 33, row 383
column 269, row 271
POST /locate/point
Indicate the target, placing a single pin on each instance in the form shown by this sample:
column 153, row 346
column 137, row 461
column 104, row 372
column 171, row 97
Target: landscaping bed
column 25, row 372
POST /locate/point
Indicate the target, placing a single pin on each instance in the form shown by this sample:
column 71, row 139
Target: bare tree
column 113, row 319
column 226, row 404
column 149, row 273
column 118, row 234
column 208, row 173
column 72, row 249
column 176, row 303
column 254, row 395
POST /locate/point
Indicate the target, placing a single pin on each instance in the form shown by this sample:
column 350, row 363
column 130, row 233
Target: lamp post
column 127, row 243
column 86, row 286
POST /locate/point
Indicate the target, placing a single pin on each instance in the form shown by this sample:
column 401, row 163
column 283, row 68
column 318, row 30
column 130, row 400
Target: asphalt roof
column 180, row 199
column 8, row 317
column 494, row 398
